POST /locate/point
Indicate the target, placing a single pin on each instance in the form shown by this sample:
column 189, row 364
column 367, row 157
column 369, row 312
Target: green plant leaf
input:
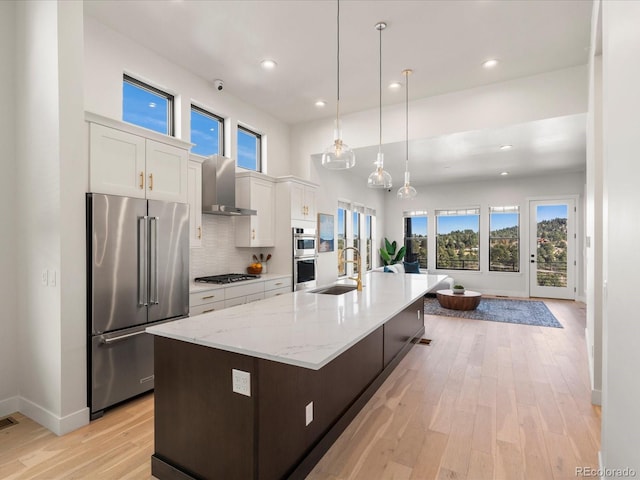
column 385, row 256
column 387, row 245
column 400, row 255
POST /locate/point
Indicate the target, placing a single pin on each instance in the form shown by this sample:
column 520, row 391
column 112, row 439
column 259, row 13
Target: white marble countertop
column 301, row 328
column 196, row 287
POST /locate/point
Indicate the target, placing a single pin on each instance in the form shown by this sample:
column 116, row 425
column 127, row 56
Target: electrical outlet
column 308, row 413
column 44, row 278
column 241, row 382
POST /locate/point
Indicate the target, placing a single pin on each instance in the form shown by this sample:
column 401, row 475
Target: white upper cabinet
column 166, row 172
column 194, row 195
column 257, row 192
column 131, row 161
column 303, row 201
column 117, row 162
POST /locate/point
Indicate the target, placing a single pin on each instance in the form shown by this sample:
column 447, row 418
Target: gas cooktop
column 227, row 278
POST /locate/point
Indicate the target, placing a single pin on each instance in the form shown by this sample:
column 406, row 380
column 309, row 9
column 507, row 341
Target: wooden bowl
column 254, row 270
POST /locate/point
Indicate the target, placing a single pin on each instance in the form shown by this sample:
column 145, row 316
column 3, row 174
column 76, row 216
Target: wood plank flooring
column 485, row 400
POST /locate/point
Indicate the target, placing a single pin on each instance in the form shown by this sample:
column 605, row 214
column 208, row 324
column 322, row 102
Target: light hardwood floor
column 484, row 400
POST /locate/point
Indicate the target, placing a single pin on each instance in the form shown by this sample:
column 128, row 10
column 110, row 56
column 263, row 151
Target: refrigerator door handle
column 143, row 289
column 109, row 341
column 153, row 258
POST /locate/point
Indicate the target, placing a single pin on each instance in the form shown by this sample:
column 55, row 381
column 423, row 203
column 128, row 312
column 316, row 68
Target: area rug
column 525, row 312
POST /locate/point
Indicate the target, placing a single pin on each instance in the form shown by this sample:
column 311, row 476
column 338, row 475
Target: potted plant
column 457, row 288
column 388, row 252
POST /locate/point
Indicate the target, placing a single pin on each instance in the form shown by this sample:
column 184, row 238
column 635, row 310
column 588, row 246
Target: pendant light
column 379, row 178
column 406, row 191
column 338, row 155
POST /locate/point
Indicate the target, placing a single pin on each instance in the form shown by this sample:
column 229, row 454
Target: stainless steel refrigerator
column 138, row 275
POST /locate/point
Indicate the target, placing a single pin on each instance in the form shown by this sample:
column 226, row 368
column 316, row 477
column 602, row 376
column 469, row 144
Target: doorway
column 552, row 248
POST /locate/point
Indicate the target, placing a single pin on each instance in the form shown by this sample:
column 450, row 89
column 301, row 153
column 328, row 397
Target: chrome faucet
column 358, row 262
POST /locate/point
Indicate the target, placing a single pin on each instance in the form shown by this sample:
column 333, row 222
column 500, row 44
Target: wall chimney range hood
column 219, row 187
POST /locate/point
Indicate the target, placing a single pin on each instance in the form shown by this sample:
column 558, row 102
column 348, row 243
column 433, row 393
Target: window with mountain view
column 368, row 235
column 457, row 239
column 504, row 239
column 551, row 251
column 342, row 238
column 415, row 237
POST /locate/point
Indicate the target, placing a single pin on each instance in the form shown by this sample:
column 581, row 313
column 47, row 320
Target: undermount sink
column 334, row 289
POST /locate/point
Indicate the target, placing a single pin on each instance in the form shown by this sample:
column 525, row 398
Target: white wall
column 50, row 193
column 8, row 215
column 621, row 332
column 548, row 95
column 500, row 192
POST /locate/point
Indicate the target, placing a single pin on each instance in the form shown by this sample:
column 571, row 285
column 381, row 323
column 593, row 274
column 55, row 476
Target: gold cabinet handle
column 208, row 297
column 141, row 180
column 151, row 181
column 210, row 310
column 199, row 233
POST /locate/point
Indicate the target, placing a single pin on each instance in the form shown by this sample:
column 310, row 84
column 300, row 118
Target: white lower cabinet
column 225, row 297
column 206, row 308
column 278, row 286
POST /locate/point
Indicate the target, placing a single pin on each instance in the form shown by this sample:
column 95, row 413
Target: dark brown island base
column 204, row 430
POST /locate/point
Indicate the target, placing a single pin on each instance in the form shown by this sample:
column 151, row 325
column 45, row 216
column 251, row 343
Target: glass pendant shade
column 379, row 178
column 406, row 191
column 338, row 156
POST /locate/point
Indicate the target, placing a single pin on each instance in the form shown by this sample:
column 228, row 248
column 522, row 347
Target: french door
column 552, row 248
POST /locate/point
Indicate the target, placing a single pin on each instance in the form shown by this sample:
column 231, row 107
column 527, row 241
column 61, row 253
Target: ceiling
column 444, row 42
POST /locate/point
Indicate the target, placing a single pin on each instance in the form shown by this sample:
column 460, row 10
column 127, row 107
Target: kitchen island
column 302, row 365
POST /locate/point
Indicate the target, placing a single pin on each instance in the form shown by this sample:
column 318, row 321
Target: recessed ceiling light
column 320, row 103
column 152, row 105
column 490, row 63
column 504, row 173
column 268, row 64
column 506, row 147
column 395, row 85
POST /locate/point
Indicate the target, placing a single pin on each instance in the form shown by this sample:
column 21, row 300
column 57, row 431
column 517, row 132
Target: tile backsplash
column 218, row 254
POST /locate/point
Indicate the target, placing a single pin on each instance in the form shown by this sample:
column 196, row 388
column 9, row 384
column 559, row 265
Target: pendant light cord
column 406, row 165
column 338, row 64
column 380, row 130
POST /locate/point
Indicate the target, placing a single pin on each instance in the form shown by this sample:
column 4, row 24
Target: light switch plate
column 52, row 278
column 44, row 277
column 241, row 382
column 308, row 413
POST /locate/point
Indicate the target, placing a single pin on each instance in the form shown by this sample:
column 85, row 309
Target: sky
column 549, row 212
column 448, row 224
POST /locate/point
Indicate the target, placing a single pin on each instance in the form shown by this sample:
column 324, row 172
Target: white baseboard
column 9, row 405
column 58, row 425
column 505, row 293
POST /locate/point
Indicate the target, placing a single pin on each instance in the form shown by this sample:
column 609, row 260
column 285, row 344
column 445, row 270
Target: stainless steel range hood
column 219, row 187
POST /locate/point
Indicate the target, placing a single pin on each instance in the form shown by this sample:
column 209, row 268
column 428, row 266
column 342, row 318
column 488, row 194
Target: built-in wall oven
column 304, row 258
column 304, row 242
